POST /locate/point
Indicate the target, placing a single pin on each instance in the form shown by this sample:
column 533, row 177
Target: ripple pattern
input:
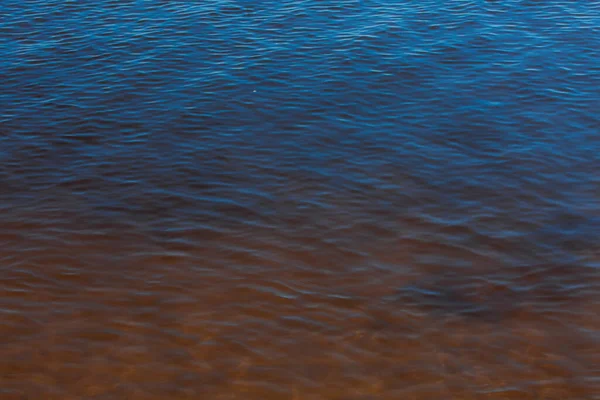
column 299, row 200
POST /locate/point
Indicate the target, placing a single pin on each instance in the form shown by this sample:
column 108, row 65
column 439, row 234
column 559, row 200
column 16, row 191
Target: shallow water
column 299, row 200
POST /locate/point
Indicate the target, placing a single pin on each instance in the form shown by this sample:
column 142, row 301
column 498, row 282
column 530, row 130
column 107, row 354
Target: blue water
column 341, row 151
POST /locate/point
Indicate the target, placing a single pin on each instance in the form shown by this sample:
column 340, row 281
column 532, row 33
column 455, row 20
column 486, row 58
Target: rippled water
column 300, row 200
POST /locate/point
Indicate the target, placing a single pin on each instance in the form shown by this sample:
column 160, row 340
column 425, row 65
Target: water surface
column 299, row 200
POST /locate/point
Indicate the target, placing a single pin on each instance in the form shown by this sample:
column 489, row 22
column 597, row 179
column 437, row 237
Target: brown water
column 299, row 200
column 117, row 310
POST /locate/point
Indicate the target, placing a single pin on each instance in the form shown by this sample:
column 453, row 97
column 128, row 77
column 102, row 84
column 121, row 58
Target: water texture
column 300, row 200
